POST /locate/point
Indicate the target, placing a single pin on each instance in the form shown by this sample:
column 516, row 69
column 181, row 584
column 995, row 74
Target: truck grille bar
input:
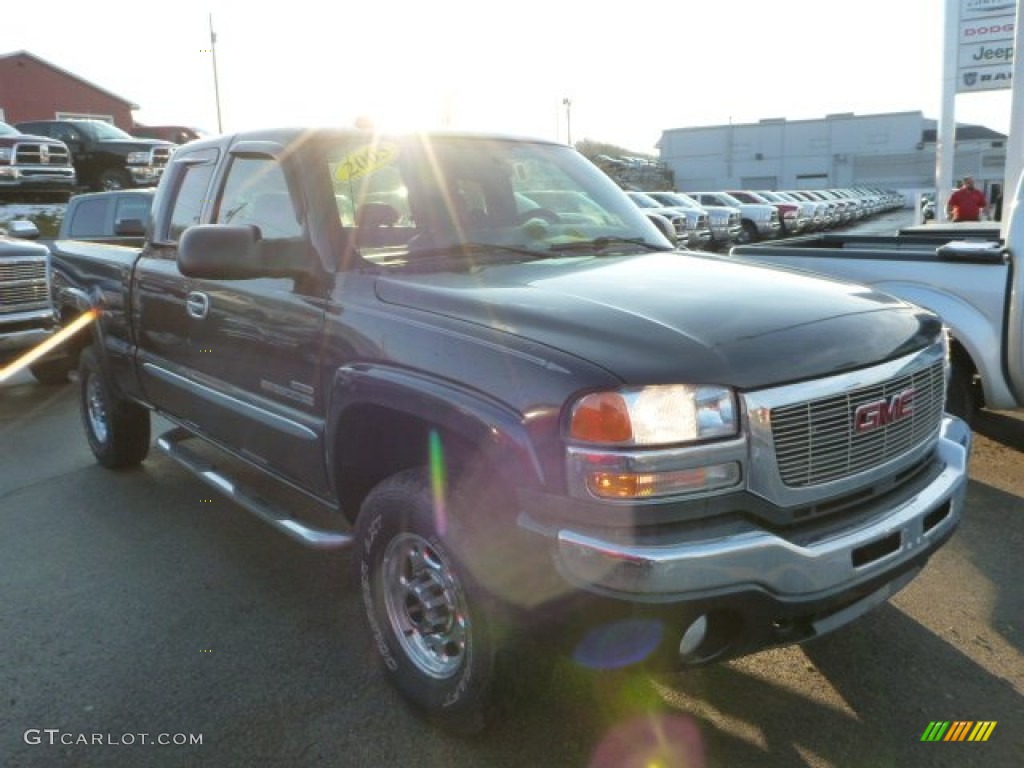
column 23, row 286
column 41, row 154
column 823, row 440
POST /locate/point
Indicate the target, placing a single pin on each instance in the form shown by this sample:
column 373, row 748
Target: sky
column 629, row 70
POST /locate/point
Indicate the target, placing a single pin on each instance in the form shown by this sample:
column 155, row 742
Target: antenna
column 216, row 85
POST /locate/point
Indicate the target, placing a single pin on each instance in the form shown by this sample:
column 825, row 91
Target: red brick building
column 32, row 88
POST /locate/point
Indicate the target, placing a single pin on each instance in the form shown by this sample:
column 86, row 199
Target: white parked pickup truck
column 968, row 274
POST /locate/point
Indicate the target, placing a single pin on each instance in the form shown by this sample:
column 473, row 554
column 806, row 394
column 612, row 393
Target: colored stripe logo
column 958, row 730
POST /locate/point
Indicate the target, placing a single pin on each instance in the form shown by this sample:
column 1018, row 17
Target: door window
column 89, row 219
column 192, row 191
column 256, row 193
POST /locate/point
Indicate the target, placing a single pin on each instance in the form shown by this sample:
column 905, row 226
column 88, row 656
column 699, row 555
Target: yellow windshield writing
column 365, row 161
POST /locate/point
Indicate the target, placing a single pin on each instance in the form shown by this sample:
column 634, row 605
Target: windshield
column 729, row 199
column 644, row 201
column 678, row 200
column 471, row 198
column 686, row 200
column 97, row 129
column 7, row 130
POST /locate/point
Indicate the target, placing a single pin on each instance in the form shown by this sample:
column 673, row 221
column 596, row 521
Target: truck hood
column 125, row 146
column 7, row 141
column 670, row 317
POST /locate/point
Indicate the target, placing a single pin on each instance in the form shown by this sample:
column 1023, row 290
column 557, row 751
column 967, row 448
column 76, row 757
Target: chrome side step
column 171, row 443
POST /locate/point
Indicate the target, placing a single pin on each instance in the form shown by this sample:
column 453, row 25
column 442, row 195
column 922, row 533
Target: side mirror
column 129, row 228
column 26, row 230
column 223, row 252
column 219, row 252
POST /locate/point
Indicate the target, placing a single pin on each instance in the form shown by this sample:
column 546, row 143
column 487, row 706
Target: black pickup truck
column 104, row 156
column 524, row 416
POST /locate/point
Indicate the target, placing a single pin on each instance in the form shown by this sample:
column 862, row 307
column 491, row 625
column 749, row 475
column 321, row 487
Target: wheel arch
column 382, row 420
column 975, row 342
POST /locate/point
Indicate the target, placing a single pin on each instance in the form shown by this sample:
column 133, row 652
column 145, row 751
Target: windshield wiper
column 602, row 244
column 492, row 250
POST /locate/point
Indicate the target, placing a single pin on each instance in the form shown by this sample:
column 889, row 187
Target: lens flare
column 438, row 482
column 47, row 346
column 618, row 644
column 651, row 741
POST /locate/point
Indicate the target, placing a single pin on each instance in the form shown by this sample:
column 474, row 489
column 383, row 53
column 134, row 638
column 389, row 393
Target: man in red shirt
column 966, row 203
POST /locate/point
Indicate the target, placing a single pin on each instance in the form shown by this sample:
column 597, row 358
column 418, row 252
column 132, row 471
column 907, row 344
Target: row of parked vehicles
column 56, row 158
column 718, row 220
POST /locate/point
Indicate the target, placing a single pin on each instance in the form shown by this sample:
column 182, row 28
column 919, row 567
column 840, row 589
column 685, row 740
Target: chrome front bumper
column 755, row 558
column 12, row 342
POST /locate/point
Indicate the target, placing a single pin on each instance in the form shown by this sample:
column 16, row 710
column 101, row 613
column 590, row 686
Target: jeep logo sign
column 879, row 413
column 985, row 45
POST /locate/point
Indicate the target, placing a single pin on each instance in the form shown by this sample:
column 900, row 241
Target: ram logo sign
column 879, row 413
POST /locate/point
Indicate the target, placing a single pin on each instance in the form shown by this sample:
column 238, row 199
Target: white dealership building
column 894, row 151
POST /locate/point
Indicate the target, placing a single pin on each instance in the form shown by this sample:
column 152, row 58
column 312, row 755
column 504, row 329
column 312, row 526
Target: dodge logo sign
column 878, row 413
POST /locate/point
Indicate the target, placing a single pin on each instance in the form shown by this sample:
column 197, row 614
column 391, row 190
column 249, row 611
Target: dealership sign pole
column 978, row 56
column 945, row 145
column 1015, row 144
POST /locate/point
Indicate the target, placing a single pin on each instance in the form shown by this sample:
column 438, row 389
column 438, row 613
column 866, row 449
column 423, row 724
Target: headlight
column 5, row 154
column 138, row 158
column 655, row 415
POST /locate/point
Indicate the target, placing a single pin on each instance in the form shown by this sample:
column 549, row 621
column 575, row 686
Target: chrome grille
column 41, row 154
column 14, row 298
column 22, row 270
column 815, row 442
column 23, row 286
column 160, row 155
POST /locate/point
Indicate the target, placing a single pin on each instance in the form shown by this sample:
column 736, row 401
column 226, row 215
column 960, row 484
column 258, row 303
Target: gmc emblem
column 877, row 414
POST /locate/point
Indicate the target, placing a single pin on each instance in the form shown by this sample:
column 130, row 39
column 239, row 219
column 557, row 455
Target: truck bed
column 909, row 245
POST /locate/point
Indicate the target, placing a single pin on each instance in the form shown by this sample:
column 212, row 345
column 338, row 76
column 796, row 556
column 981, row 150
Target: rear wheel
column 427, row 617
column 117, row 429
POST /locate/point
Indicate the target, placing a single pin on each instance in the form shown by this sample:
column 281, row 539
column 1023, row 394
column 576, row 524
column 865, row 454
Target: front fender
column 502, row 437
column 979, row 335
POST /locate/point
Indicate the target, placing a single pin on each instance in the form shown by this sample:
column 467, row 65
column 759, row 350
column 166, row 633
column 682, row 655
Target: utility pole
column 216, row 85
column 568, row 120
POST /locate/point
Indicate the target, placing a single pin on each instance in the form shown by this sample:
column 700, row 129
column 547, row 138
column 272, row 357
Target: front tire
column 749, row 234
column 113, row 179
column 427, row 616
column 961, row 397
column 117, row 429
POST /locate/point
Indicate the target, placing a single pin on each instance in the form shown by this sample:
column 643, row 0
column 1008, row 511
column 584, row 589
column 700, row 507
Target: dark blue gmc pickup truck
column 525, row 414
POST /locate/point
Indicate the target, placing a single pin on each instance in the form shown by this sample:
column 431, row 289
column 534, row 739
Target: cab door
column 237, row 360
column 255, row 344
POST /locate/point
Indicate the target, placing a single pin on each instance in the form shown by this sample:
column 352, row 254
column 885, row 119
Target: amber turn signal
column 601, row 417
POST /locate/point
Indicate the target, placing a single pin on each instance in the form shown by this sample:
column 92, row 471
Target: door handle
column 197, row 304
